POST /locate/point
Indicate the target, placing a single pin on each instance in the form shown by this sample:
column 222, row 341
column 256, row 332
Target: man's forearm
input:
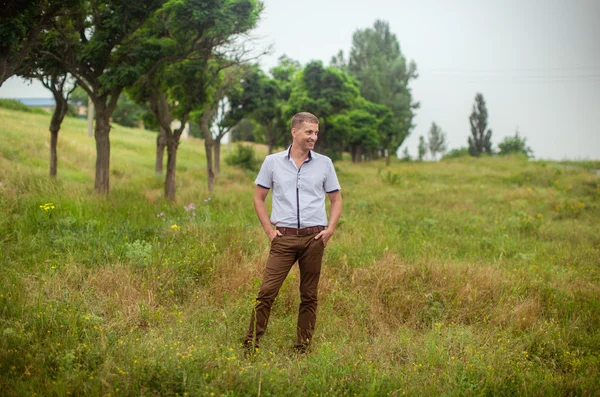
column 335, row 211
column 263, row 215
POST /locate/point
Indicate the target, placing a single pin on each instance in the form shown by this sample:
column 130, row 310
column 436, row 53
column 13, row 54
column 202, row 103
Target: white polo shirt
column 298, row 193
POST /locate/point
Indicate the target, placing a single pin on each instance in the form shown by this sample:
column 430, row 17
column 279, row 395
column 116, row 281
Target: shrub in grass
column 457, row 153
column 139, row 252
column 243, row 157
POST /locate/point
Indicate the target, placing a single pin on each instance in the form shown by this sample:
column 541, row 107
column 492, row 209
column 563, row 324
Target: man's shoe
column 301, row 349
column 250, row 349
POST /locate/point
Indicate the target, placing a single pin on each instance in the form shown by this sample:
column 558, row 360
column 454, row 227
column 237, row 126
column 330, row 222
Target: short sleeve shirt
column 298, row 193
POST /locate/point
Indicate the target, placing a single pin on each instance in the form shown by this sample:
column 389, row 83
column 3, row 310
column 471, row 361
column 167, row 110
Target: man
column 299, row 178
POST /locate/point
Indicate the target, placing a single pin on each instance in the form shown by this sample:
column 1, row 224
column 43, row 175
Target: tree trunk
column 208, row 146
column 102, row 150
column 217, row 158
column 53, row 155
column 354, row 153
column 60, row 110
column 161, row 143
column 270, row 139
column 90, row 117
column 172, row 145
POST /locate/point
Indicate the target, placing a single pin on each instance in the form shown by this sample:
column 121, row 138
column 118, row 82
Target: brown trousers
column 285, row 251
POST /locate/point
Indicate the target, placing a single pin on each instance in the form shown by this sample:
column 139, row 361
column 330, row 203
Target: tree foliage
column 262, row 99
column 95, row 43
column 436, row 140
column 422, row 148
column 515, row 145
column 325, row 92
column 480, row 140
column 376, row 61
column 21, row 27
column 192, row 48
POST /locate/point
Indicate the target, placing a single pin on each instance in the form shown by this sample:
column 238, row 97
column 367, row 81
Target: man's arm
column 260, row 194
column 335, row 211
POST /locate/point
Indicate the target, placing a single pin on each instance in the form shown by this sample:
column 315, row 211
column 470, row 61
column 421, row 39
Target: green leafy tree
column 515, row 145
column 376, row 61
column 244, row 131
column 362, row 129
column 323, row 92
column 283, row 74
column 406, row 155
column 128, row 113
column 363, row 136
column 220, row 115
column 21, row 27
column 339, row 61
column 436, row 140
column 194, row 43
column 262, row 99
column 97, row 40
column 480, row 140
column 39, row 65
column 78, row 99
column 422, row 148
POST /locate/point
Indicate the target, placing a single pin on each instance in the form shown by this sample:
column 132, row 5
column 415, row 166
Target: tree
column 480, row 139
column 357, row 129
column 323, row 92
column 262, row 99
column 220, row 115
column 97, row 42
column 38, row 65
column 515, row 145
column 128, row 113
column 58, row 84
column 422, row 148
column 376, row 61
column 199, row 45
column 244, row 131
column 20, row 27
column 436, row 140
column 339, row 61
column 362, row 129
column 406, row 155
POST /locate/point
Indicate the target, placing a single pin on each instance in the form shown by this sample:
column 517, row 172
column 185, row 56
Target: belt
column 288, row 231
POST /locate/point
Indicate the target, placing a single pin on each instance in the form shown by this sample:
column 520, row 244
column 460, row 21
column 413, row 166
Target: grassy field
column 464, row 277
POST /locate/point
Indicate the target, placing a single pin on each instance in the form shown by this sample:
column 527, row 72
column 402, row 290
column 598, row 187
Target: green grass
column 13, row 104
column 464, row 277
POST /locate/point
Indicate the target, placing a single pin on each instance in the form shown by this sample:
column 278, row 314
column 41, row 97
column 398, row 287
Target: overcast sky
column 537, row 63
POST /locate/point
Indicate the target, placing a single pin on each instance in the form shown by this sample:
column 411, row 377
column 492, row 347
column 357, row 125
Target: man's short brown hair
column 304, row 117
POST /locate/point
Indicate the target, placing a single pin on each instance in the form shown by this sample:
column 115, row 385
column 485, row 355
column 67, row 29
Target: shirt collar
column 289, row 151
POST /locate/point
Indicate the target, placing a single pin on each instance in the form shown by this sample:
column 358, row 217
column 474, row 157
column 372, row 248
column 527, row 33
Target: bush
column 457, row 153
column 515, row 145
column 139, row 252
column 12, row 104
column 243, row 157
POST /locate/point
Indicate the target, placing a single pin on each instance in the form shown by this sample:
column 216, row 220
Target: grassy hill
column 464, row 277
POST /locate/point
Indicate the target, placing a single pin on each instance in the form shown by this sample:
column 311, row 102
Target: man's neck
column 298, row 154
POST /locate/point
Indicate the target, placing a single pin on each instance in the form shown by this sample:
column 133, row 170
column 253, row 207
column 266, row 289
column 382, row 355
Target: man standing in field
column 299, row 178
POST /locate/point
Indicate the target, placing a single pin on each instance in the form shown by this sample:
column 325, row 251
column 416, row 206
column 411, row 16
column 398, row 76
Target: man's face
column 306, row 135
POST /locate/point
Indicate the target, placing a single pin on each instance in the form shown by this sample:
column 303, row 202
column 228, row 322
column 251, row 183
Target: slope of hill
column 470, row 276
